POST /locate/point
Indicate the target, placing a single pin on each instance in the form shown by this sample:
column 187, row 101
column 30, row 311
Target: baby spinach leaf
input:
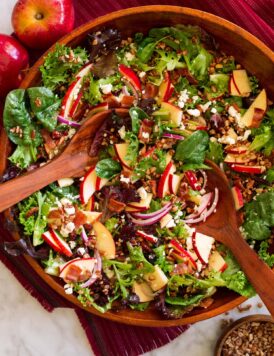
column 146, row 49
column 259, row 216
column 136, row 115
column 44, row 104
column 192, row 150
column 107, row 168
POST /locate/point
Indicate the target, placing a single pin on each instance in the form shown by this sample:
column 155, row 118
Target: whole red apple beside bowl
column 13, row 60
column 40, row 23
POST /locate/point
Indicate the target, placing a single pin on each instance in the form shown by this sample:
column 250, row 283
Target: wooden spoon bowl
column 248, row 50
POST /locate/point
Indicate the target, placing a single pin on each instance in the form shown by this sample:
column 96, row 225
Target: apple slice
column 166, row 89
column 247, row 169
column 73, row 91
column 239, row 158
column 174, row 181
column 63, row 245
column 241, row 82
column 238, row 197
column 104, row 241
column 75, row 105
column 216, row 262
column 157, row 279
column 77, row 270
column 88, row 185
column 202, row 245
column 150, row 238
column 192, row 180
column 92, row 216
column 163, row 186
column 90, row 204
column 142, row 205
column 131, row 76
column 236, row 150
column 121, row 152
column 255, row 113
column 100, row 183
column 165, row 220
column 50, row 240
column 176, row 114
column 183, row 253
column 143, row 291
column 232, row 87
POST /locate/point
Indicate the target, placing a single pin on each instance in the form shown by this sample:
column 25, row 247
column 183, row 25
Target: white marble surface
column 26, row 329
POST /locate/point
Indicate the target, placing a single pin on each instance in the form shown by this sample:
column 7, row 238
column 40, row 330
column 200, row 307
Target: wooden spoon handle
column 259, row 274
column 23, row 186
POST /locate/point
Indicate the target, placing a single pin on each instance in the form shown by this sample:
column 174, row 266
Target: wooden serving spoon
column 72, row 162
column 222, row 225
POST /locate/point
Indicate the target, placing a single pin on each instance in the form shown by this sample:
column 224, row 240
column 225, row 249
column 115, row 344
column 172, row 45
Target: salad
column 124, row 235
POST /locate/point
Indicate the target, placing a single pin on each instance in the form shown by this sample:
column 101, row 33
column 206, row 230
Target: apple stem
column 39, row 16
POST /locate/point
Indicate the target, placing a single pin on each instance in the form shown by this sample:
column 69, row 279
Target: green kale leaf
column 215, row 152
column 263, row 253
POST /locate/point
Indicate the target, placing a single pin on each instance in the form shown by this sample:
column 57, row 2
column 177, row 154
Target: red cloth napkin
column 253, row 15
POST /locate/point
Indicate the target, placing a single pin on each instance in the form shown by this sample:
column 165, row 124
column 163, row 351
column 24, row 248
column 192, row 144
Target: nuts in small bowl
column 248, row 336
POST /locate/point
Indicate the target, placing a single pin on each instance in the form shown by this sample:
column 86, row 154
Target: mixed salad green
column 124, row 235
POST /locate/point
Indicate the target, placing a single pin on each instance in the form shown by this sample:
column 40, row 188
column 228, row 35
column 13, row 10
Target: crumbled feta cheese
column 199, row 265
column 65, row 201
column 129, row 56
column 69, row 290
column 195, row 98
column 227, row 140
column 67, row 229
column 106, row 88
column 142, row 74
column 70, row 210
column 81, row 251
column 171, row 223
column 213, row 139
column 194, row 112
column 142, row 192
column 145, row 134
column 213, row 110
column 72, row 244
column 236, row 115
column 124, row 179
column 205, row 106
column 183, row 98
column 246, row 134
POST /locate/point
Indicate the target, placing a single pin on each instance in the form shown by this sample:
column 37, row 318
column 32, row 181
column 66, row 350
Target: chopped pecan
column 151, row 91
column 205, row 303
column 32, row 211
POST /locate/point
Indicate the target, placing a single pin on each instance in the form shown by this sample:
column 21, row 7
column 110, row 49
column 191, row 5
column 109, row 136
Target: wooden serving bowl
column 247, row 49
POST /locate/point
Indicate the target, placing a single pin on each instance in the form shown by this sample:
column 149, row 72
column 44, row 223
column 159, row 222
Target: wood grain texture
column 247, row 49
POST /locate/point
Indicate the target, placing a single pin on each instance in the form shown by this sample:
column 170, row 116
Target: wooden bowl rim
column 210, row 18
column 235, row 325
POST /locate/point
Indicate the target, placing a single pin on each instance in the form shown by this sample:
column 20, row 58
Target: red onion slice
column 207, row 212
column 174, row 136
column 96, row 271
column 151, row 215
column 203, row 173
column 84, row 235
column 206, row 199
column 68, row 122
column 152, row 220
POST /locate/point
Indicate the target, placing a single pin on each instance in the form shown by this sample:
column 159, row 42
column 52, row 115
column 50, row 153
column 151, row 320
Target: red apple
column 88, row 186
column 255, row 113
column 142, row 205
column 131, row 76
column 175, row 113
column 76, row 269
column 238, row 197
column 13, row 60
column 100, row 183
column 49, row 240
column 163, row 187
column 121, row 152
column 241, row 82
column 174, row 181
column 247, row 169
column 232, row 87
column 202, row 245
column 166, row 89
column 63, row 245
column 236, row 150
column 150, row 238
column 192, row 180
column 40, row 23
column 182, row 252
column 104, row 241
column 216, row 262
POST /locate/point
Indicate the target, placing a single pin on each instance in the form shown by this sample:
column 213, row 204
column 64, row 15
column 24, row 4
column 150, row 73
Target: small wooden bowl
column 248, row 50
column 238, row 323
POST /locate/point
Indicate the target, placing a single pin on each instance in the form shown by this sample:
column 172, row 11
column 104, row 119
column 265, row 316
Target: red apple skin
column 14, row 59
column 40, row 23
